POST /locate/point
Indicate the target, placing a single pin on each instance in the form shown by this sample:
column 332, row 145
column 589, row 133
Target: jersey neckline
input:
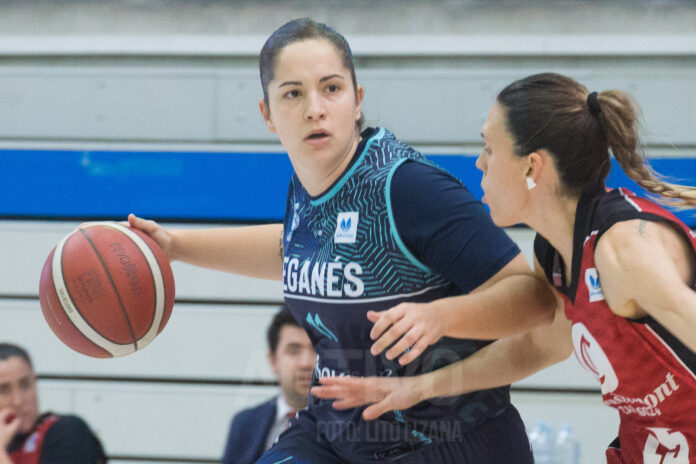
column 369, row 135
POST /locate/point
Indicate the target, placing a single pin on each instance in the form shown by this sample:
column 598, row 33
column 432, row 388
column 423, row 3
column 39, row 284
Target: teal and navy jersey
column 368, row 243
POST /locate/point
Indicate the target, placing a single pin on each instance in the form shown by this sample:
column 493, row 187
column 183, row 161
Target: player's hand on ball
column 409, row 327
column 158, row 233
column 384, row 394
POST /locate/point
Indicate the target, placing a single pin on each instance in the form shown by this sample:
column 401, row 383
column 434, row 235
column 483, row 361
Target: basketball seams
column 113, row 286
column 157, row 279
column 73, row 314
column 156, row 282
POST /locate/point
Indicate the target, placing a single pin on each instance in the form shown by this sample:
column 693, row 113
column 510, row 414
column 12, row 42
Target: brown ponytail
column 619, row 118
column 556, row 113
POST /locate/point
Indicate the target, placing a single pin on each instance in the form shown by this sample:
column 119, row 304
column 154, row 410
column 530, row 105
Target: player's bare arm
column 647, row 268
column 251, row 251
column 514, row 300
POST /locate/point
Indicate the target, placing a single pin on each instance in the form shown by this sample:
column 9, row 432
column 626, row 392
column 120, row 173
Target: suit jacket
column 249, row 430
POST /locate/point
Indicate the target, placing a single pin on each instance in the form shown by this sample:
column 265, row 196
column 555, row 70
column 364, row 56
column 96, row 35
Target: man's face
column 18, row 392
column 293, row 364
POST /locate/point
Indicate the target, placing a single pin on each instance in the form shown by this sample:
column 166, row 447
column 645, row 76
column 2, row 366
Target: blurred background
column 151, row 107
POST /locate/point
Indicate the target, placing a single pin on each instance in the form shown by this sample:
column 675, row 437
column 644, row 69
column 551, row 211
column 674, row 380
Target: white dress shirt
column 281, row 420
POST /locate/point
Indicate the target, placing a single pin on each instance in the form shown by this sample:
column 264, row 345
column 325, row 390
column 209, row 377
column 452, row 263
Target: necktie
column 290, row 416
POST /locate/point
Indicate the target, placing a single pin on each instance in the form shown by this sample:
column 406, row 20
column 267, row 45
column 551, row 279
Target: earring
column 530, row 183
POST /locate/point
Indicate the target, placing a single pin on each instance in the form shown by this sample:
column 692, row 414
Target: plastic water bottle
column 542, row 440
column 567, row 446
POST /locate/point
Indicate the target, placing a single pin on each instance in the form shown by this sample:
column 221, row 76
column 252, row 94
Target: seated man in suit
column 292, row 360
column 26, row 435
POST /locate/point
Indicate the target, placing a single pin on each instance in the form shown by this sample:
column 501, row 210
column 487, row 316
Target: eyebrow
column 323, row 79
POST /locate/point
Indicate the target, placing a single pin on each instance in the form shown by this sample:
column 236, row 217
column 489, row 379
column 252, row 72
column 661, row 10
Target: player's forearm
column 254, row 251
column 503, row 362
column 4, row 457
column 513, row 305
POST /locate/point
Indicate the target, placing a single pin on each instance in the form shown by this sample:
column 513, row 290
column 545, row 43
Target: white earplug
column 530, row 183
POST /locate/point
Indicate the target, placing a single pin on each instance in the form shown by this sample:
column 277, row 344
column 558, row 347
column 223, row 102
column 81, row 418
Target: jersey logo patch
column 295, row 222
column 665, row 446
column 592, row 282
column 346, row 227
column 592, row 357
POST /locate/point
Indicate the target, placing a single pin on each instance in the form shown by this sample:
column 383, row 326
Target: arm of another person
column 502, row 362
column 648, row 268
column 71, row 440
column 513, row 301
column 447, row 229
column 253, row 251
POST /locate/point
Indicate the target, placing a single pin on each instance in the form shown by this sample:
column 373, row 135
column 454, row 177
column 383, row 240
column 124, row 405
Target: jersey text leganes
column 645, row 372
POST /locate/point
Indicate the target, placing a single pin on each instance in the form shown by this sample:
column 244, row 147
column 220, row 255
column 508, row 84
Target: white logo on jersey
column 295, row 222
column 593, row 358
column 346, row 227
column 665, row 447
column 332, row 279
column 592, row 282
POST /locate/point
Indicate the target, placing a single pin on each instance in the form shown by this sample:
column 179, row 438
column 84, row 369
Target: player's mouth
column 317, row 137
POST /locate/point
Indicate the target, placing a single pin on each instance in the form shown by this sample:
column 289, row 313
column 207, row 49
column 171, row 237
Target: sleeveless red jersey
column 30, row 452
column 646, row 374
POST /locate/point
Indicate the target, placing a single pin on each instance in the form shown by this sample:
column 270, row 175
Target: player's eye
column 25, row 383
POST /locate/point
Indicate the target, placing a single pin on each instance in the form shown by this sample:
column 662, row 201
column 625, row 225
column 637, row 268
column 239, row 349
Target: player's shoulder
column 70, row 425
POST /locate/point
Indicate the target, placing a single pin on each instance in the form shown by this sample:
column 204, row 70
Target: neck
column 316, row 176
column 295, row 401
column 555, row 220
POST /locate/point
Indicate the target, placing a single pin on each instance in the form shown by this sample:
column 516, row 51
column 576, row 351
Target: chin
column 502, row 221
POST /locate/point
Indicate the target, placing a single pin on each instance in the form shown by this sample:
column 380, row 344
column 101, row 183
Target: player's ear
column 358, row 102
column 266, row 115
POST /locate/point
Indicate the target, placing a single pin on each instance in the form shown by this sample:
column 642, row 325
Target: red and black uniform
column 57, row 440
column 646, row 373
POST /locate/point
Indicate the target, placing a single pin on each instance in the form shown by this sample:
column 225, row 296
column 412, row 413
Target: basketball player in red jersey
column 623, row 267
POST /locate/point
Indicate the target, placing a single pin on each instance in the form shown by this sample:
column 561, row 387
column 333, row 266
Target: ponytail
column 619, row 118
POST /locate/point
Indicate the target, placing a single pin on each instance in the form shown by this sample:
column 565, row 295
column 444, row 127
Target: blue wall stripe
column 194, row 186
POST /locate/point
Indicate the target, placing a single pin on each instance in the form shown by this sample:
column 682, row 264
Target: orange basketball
column 106, row 290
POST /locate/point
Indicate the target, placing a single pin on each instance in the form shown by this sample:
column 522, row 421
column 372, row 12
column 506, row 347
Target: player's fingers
column 373, row 316
column 386, row 319
column 394, row 333
column 373, row 411
column 380, row 325
column 328, row 392
column 339, row 380
column 346, row 403
column 404, row 344
column 415, row 351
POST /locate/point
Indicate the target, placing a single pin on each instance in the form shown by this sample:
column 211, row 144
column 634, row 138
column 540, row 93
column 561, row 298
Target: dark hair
column 8, row 350
column 551, row 111
column 282, row 318
column 295, row 31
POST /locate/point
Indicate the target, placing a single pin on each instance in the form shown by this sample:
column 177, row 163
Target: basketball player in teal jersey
column 371, row 224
